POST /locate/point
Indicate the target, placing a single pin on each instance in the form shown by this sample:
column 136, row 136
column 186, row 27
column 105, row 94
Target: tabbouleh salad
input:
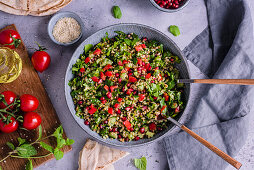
column 125, row 87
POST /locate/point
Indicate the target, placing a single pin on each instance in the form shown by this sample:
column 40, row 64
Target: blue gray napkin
column 224, row 50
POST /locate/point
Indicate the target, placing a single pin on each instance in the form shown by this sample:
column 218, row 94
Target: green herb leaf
column 29, row 165
column 127, row 41
column 140, row 163
column 26, row 150
column 174, row 30
column 21, row 141
column 117, row 12
column 59, row 132
column 69, row 141
column 60, row 142
column 10, row 145
column 47, row 147
column 88, row 47
column 58, row 154
column 40, row 133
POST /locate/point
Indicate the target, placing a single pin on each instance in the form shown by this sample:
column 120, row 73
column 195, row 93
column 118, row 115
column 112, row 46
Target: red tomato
column 143, row 45
column 166, row 96
column 107, row 67
column 28, row 103
column 116, row 105
column 9, row 97
column 163, row 107
column 95, row 79
column 112, row 88
column 97, row 51
column 125, row 61
column 177, row 109
column 139, row 61
column 10, row 38
column 138, row 48
column 11, row 127
column 127, row 124
column 40, row 59
column 141, row 97
column 82, row 70
column 147, row 66
column 106, row 87
column 119, row 99
column 103, row 77
column 87, row 60
column 152, row 126
column 31, row 120
column 109, row 73
column 128, row 92
column 120, row 63
column 148, row 75
column 110, row 110
column 132, row 79
column 92, row 109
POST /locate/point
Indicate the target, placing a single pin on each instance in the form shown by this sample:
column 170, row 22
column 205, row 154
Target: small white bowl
column 56, row 17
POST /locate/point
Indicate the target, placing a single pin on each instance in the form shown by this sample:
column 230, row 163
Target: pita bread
column 95, row 156
column 32, row 7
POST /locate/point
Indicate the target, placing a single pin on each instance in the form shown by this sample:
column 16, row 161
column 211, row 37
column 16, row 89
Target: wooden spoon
column 216, row 150
column 218, row 81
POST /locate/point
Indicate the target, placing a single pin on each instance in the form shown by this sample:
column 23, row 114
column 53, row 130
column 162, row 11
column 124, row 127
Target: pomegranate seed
column 80, row 102
column 101, row 126
column 110, row 110
column 126, row 139
column 159, row 129
column 114, row 129
column 120, row 63
column 127, row 108
column 110, row 130
column 119, row 80
column 142, row 130
column 105, row 122
column 119, row 99
column 152, row 81
column 135, row 92
column 172, row 60
column 104, row 101
column 155, row 98
column 117, row 74
column 116, row 105
column 109, row 95
column 129, row 91
column 129, row 74
column 145, row 107
column 118, row 111
column 156, row 68
column 124, row 118
column 129, row 84
column 131, row 129
column 137, row 138
column 119, row 136
column 144, row 39
column 100, row 81
column 102, row 98
column 87, row 122
column 143, row 63
column 125, row 61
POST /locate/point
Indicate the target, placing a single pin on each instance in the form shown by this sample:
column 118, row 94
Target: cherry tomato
column 9, row 97
column 132, row 79
column 11, row 127
column 28, row 103
column 31, row 120
column 10, row 38
column 141, row 97
column 40, row 59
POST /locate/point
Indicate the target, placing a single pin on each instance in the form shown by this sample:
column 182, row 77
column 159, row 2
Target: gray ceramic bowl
column 170, row 10
column 141, row 31
column 58, row 16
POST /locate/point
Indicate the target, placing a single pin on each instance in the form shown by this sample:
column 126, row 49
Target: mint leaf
column 174, row 30
column 59, row 132
column 117, row 12
column 128, row 42
column 10, row 145
column 29, row 165
column 40, row 133
column 21, row 141
column 140, row 163
column 26, row 150
column 69, row 141
column 47, row 147
column 58, row 154
column 88, row 47
column 60, row 142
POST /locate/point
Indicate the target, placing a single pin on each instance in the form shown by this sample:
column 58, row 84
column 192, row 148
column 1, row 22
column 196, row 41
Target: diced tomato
column 109, row 73
column 123, row 71
column 82, row 70
column 97, row 51
column 95, row 79
column 119, row 99
column 156, row 68
column 132, row 79
column 127, row 124
column 160, row 77
column 148, row 75
column 127, row 68
column 110, row 110
column 147, row 65
column 125, row 61
column 112, row 88
column 103, row 101
column 152, row 126
column 100, row 81
column 103, row 77
column 116, row 105
column 166, row 96
column 138, row 48
column 143, row 45
column 139, row 61
column 109, row 95
column 141, row 97
column 107, row 67
column 163, row 107
column 106, row 87
column 92, row 109
column 177, row 109
column 128, row 92
column 120, row 63
column 87, row 60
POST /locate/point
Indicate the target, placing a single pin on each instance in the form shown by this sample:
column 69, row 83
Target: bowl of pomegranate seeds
column 169, row 5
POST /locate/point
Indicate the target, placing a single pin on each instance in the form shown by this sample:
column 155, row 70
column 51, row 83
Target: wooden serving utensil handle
column 219, row 81
column 216, row 150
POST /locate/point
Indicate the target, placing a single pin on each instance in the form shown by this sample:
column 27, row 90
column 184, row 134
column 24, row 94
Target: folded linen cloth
column 95, row 156
column 224, row 50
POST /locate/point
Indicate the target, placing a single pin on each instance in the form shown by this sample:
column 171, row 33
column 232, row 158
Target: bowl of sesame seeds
column 65, row 28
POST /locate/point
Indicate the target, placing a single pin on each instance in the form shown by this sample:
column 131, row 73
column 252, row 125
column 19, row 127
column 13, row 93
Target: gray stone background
column 96, row 14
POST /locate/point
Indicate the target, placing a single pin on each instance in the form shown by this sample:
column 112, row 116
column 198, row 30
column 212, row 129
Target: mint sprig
column 140, row 163
column 27, row 150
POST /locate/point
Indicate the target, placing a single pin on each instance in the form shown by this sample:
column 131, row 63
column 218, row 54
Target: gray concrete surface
column 96, row 14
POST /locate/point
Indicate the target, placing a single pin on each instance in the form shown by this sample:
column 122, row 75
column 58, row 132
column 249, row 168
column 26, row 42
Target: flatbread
column 32, row 7
column 95, row 156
